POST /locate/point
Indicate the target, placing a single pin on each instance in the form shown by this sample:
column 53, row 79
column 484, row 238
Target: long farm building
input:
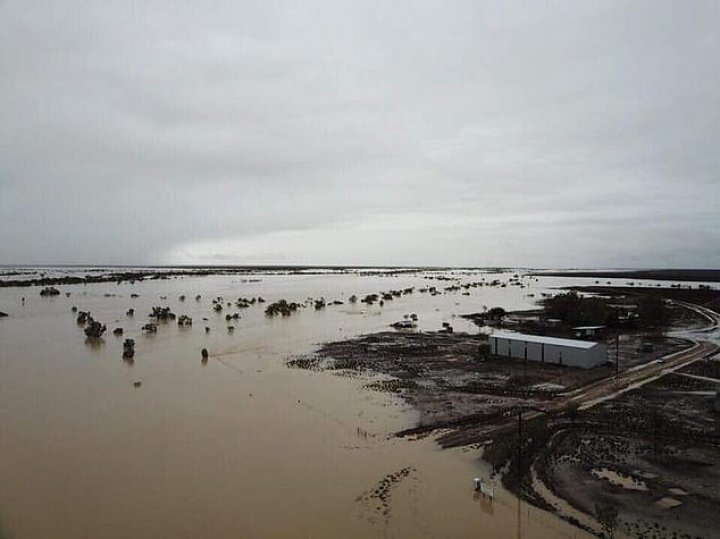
column 567, row 352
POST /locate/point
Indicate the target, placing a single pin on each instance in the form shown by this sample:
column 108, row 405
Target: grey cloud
column 360, row 132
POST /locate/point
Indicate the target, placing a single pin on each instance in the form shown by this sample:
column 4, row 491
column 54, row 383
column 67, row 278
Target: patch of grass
column 391, row 386
column 308, row 362
column 346, row 363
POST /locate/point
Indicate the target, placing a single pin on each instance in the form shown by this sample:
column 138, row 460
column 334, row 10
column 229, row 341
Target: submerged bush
column 282, row 307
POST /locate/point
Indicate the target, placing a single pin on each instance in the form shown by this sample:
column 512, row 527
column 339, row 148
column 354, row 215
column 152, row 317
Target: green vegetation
column 576, row 310
column 652, row 310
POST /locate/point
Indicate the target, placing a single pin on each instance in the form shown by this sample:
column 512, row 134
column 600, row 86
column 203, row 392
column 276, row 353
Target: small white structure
column 484, row 488
column 587, row 331
column 567, row 352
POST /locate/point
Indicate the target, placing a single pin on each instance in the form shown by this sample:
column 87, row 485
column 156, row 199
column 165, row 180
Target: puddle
column 645, row 475
column 626, row 482
column 668, row 503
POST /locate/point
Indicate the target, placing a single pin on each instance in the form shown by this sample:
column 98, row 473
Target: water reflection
column 95, row 343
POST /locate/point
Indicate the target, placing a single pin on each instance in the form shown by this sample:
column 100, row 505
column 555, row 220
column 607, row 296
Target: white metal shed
column 568, row 352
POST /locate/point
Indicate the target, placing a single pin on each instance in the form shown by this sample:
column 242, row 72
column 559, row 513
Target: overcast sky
column 546, row 134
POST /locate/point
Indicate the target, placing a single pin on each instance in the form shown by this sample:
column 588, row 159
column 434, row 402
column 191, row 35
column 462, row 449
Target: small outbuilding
column 553, row 350
column 585, row 332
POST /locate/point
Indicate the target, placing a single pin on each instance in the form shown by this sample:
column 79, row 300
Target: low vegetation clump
column 496, row 313
column 282, row 307
column 307, row 362
column 162, row 313
column 128, row 349
column 392, row 386
column 346, row 363
column 49, row 291
column 94, row 329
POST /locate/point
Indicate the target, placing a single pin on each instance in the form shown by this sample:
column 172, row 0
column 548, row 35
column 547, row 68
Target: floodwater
column 241, row 446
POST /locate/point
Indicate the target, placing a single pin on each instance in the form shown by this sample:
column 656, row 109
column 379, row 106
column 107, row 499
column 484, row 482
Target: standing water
column 240, row 445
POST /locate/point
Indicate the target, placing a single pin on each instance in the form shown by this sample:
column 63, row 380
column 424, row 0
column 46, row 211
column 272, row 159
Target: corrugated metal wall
column 585, row 358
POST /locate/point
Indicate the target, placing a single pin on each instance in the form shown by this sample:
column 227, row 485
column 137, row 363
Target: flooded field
column 239, row 446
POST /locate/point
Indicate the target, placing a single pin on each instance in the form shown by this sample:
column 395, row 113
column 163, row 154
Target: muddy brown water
column 241, row 446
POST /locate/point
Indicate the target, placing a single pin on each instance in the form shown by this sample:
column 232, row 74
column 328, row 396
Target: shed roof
column 522, row 337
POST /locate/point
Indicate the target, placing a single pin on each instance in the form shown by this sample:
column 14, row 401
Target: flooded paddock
column 169, row 445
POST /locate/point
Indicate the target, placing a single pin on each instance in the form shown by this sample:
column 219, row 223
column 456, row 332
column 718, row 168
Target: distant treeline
column 707, row 275
column 575, row 310
column 102, row 278
column 709, row 298
column 141, row 274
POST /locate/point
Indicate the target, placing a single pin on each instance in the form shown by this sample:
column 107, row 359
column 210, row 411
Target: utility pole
column 519, row 469
column 617, row 354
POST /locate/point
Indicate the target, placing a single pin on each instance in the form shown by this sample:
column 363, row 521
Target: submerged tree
column 95, row 330
column 282, row 307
